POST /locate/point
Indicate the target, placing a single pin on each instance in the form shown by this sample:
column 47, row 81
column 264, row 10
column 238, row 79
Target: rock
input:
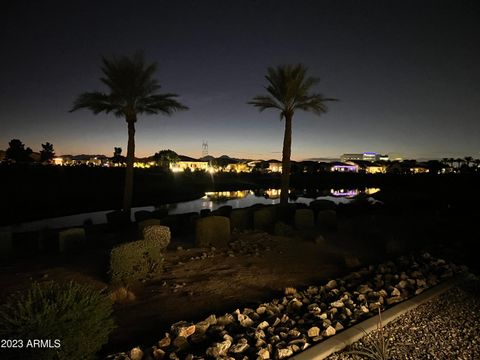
column 261, row 310
column 364, row 309
column 304, row 219
column 313, row 331
column 263, row 325
column 136, row 354
column 240, row 347
column 181, row 343
column 244, row 320
column 394, row 299
column 158, row 354
column 226, row 319
column 338, row 326
column 351, row 261
column 402, row 284
column 284, row 353
column 290, row 291
column 320, row 240
column 332, row 284
column 337, row 304
column 263, row 354
column 395, row 292
column 212, row 231
column 329, row 331
column 183, row 328
column 294, row 305
column 166, row 341
column 71, row 240
column 219, row 349
column 419, row 291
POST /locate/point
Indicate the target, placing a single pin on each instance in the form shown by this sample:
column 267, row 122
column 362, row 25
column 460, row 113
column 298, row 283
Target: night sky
column 407, row 74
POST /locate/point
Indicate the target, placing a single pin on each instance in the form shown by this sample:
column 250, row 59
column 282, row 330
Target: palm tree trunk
column 128, row 190
column 287, row 149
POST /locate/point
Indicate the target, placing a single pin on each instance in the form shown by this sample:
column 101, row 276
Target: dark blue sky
column 407, row 74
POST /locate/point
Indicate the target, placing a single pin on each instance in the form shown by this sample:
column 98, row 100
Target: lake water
column 211, row 200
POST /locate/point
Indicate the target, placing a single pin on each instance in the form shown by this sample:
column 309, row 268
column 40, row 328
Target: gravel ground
column 447, row 327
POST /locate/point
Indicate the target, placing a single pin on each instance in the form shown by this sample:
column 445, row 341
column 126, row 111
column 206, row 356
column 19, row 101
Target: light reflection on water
column 211, row 200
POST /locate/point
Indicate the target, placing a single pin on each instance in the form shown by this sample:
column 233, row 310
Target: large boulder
column 71, row 239
column 304, row 219
column 118, row 218
column 241, row 219
column 223, row 211
column 327, row 219
column 264, row 218
column 322, row 204
column 212, row 231
column 142, row 215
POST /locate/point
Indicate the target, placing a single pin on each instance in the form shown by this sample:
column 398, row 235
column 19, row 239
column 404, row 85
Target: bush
column 241, row 219
column 136, row 260
column 77, row 315
column 142, row 225
column 71, row 240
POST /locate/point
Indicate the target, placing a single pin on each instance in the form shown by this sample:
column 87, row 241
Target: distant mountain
column 323, row 159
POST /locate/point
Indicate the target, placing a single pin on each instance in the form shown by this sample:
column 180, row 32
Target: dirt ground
column 195, row 282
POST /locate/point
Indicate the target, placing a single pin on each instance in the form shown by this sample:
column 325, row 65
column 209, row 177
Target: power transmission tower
column 204, row 148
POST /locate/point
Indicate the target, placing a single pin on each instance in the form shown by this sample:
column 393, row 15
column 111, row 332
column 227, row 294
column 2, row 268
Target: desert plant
column 135, row 261
column 75, row 318
column 379, row 347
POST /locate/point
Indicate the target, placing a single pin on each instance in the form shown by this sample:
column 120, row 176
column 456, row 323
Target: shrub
column 142, row 225
column 136, row 260
column 77, row 315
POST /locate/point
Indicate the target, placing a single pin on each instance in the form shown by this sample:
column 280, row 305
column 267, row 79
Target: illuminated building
column 366, row 156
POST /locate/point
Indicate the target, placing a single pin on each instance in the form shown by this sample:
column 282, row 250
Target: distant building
column 366, row 156
column 376, row 169
column 190, row 164
column 274, row 166
column 344, row 167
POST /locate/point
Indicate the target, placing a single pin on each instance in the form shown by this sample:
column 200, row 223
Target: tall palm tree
column 132, row 90
column 289, row 89
column 468, row 160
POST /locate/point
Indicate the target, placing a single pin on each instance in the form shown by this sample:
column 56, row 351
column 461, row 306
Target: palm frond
column 164, row 103
column 265, row 102
column 289, row 89
column 132, row 89
column 96, row 101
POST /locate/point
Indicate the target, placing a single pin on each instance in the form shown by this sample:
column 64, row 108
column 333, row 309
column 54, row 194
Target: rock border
column 355, row 333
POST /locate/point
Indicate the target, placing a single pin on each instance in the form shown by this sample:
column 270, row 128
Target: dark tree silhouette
column 166, row 157
column 17, row 153
column 468, row 160
column 47, row 153
column 132, row 90
column 289, row 89
column 117, row 156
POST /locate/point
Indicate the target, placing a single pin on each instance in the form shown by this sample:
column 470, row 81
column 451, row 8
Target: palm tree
column 289, row 90
column 132, row 90
column 468, row 160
